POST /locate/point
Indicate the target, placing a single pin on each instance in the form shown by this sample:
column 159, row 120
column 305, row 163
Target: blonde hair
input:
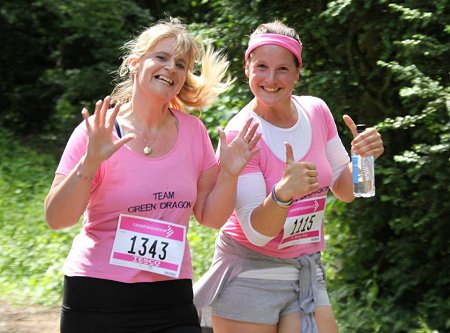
column 199, row 91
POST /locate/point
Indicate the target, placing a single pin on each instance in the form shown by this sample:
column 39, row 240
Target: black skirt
column 97, row 306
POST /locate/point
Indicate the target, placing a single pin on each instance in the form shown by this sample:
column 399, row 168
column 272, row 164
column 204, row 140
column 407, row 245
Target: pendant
column 148, row 150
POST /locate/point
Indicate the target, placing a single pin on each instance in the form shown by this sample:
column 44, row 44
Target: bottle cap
column 360, row 128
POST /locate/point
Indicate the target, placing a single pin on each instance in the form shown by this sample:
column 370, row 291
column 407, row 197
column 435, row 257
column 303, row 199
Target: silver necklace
column 148, row 150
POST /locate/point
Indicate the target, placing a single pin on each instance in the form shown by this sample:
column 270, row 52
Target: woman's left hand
column 235, row 155
column 367, row 143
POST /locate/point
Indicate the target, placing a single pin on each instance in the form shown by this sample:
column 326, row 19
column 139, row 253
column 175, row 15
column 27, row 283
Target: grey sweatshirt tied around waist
column 231, row 258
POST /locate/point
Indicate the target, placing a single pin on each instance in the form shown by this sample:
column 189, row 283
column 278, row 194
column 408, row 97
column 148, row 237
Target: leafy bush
column 32, row 254
column 201, row 240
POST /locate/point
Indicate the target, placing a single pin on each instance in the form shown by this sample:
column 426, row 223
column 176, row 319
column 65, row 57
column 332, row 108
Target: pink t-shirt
column 323, row 129
column 163, row 188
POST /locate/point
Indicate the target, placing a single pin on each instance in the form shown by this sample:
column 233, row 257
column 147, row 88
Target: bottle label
column 363, row 175
column 356, row 167
column 367, row 169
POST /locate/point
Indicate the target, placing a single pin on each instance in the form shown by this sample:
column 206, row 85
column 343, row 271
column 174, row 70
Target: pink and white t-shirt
column 163, row 188
column 314, row 139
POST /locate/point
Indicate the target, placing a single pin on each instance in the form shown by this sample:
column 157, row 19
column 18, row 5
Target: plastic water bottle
column 363, row 172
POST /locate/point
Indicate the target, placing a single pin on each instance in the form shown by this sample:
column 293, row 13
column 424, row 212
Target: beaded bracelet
column 283, row 204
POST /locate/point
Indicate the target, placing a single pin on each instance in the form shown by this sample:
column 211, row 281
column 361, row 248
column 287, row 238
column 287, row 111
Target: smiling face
column 272, row 75
column 160, row 73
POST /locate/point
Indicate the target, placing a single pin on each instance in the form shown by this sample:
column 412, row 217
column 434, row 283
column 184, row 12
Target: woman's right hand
column 69, row 195
column 101, row 145
column 299, row 179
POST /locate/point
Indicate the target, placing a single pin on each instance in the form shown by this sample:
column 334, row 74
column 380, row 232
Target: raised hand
column 299, row 178
column 367, row 143
column 100, row 144
column 235, row 155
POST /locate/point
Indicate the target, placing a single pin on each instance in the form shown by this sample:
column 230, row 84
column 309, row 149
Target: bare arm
column 217, row 187
column 343, row 186
column 68, row 198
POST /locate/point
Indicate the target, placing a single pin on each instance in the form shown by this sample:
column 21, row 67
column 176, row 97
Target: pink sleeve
column 209, row 159
column 329, row 121
column 75, row 149
column 319, row 112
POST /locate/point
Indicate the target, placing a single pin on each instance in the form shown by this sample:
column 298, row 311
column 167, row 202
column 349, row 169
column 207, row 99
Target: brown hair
column 277, row 27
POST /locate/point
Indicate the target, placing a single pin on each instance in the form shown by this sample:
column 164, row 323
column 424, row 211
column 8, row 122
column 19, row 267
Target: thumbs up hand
column 299, row 178
column 366, row 143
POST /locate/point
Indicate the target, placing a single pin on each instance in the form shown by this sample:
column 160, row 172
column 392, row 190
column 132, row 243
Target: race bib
column 304, row 222
column 149, row 244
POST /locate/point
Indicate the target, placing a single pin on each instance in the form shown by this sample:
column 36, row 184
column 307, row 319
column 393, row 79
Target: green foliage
column 229, row 103
column 201, row 241
column 26, row 30
column 381, row 62
column 60, row 59
column 32, row 254
column 392, row 265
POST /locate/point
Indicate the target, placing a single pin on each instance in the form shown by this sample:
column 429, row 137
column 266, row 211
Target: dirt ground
column 34, row 319
column 28, row 319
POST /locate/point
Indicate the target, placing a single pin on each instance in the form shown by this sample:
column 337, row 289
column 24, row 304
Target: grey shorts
column 264, row 301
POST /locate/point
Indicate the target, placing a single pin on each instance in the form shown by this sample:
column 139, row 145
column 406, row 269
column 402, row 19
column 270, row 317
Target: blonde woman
column 136, row 172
